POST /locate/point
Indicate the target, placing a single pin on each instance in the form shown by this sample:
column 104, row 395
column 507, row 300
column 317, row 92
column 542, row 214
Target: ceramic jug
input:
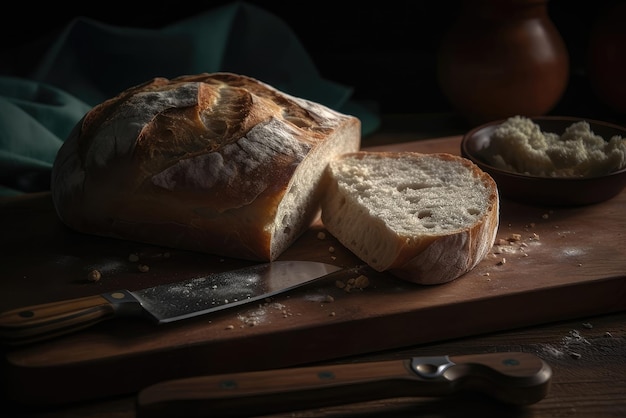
column 502, row 58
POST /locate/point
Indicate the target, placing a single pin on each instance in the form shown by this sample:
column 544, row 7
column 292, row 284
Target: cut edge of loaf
column 385, row 219
column 300, row 206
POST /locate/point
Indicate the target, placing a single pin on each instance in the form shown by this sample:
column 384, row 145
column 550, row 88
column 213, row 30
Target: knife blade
column 510, row 377
column 163, row 303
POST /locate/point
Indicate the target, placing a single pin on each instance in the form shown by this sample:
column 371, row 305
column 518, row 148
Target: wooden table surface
column 587, row 356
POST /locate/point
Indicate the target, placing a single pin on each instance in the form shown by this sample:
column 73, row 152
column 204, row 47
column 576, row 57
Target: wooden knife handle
column 511, row 377
column 39, row 322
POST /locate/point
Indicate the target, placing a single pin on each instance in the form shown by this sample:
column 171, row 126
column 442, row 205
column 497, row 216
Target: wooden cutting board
column 563, row 263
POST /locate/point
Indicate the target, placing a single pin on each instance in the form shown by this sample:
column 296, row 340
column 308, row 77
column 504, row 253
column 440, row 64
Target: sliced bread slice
column 426, row 218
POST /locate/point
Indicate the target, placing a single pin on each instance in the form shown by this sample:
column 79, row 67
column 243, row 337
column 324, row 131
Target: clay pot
column 502, row 58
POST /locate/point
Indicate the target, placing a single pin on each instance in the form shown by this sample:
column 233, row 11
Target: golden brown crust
column 198, row 162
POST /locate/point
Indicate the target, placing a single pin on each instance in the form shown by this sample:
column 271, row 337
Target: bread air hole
column 473, row 211
column 424, row 214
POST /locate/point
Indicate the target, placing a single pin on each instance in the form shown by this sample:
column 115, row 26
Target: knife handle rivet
column 326, row 375
column 228, row 384
column 510, row 362
column 118, row 295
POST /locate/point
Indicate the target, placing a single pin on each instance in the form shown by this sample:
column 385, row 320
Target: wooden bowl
column 547, row 191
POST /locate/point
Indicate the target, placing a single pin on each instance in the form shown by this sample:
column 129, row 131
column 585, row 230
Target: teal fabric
column 89, row 62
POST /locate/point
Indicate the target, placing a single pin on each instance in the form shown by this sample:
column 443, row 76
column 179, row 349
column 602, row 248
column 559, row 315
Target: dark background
column 386, row 50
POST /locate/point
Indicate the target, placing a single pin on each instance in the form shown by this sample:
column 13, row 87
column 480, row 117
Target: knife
column 164, row 303
column 510, row 377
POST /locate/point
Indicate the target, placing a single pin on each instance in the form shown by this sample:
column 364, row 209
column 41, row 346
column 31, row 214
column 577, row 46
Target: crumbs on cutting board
column 355, row 283
column 518, row 245
column 321, row 235
column 140, row 261
column 262, row 313
column 513, row 246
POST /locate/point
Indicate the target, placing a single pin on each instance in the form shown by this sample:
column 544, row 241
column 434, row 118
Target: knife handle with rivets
column 44, row 321
column 510, row 377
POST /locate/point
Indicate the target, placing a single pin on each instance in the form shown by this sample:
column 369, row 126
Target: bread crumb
column 230, row 327
column 328, row 299
column 360, row 282
column 332, row 313
column 251, row 322
column 94, row 275
column 486, row 274
column 575, row 356
column 587, row 325
column 321, row 235
column 331, row 249
column 144, row 268
column 515, row 237
column 133, row 257
column 502, row 262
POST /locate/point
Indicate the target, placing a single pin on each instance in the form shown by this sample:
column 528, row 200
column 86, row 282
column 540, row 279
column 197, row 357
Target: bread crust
column 200, row 162
column 421, row 258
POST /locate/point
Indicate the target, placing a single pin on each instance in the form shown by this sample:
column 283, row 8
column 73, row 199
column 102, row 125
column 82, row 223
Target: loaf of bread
column 426, row 218
column 219, row 163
